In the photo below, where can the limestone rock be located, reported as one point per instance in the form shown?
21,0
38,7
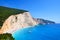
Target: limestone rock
16,22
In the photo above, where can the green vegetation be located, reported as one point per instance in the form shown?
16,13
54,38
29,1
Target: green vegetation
5,12
6,36
0,27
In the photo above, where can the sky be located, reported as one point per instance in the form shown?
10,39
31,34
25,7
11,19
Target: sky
46,9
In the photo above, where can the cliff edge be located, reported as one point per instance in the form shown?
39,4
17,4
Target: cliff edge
16,22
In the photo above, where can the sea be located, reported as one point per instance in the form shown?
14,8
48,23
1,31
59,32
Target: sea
38,32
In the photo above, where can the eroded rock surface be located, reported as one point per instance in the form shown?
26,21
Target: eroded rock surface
16,22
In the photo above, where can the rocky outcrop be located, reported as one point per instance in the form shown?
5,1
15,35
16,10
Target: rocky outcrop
43,21
16,22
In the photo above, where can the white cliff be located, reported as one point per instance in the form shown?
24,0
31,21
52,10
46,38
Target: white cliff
16,22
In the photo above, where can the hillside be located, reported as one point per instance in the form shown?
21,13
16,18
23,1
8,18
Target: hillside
43,21
6,36
5,12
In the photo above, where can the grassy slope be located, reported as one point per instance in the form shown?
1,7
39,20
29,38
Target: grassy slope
5,12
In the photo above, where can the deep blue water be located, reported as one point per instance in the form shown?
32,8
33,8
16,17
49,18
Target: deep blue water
39,32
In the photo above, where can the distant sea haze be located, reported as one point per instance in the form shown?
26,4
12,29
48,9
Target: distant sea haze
39,32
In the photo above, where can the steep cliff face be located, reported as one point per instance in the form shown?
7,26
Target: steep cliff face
16,22
5,12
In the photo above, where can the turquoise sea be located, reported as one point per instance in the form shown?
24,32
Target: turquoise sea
39,32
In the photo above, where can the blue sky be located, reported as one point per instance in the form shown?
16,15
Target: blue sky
46,9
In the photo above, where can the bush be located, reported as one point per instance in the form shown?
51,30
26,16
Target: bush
6,36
